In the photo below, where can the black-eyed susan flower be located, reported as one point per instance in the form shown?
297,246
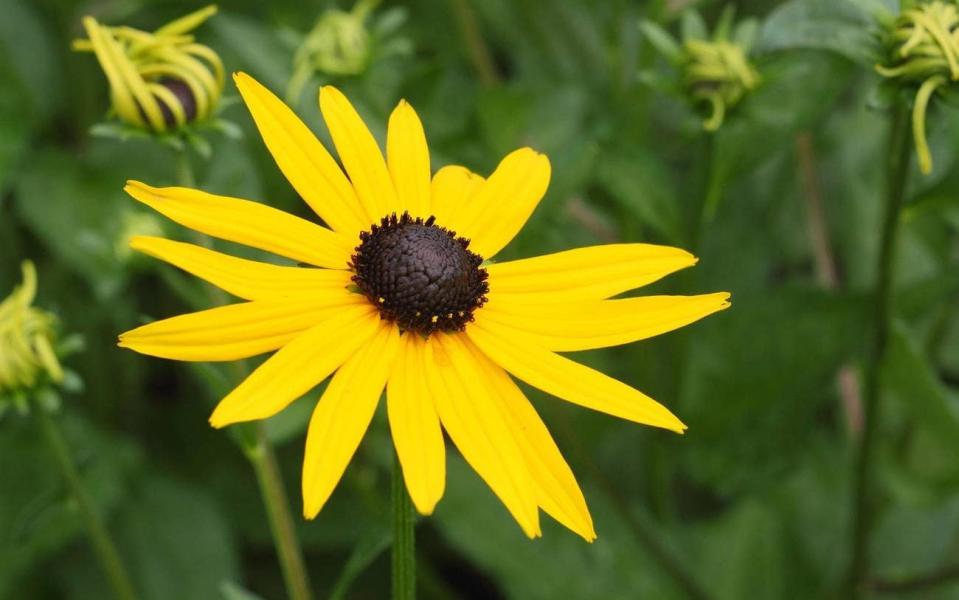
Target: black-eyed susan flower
401,295
923,51
162,80
27,339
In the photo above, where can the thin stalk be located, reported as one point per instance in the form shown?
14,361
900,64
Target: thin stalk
103,545
404,541
259,451
897,169
478,51
826,272
277,506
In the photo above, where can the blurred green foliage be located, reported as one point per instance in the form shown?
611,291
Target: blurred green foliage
753,502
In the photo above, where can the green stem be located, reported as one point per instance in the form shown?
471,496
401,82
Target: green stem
258,449
479,52
404,545
103,545
863,500
277,506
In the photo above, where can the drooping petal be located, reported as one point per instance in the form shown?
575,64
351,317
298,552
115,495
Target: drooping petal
409,160
556,489
247,279
298,366
588,325
451,191
359,153
304,161
568,379
230,332
503,203
590,273
415,426
249,223
463,401
343,414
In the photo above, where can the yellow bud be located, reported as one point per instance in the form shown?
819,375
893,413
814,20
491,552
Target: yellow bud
26,339
160,80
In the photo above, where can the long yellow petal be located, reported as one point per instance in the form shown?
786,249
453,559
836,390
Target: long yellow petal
501,206
450,192
298,366
229,332
249,223
568,379
415,426
590,273
343,414
247,279
588,325
304,161
359,153
122,96
409,160
556,489
463,401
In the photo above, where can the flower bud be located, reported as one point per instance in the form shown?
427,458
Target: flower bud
27,340
162,80
716,73
923,44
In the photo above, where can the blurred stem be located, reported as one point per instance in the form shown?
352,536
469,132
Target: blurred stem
404,544
259,450
897,166
103,545
277,505
826,272
476,46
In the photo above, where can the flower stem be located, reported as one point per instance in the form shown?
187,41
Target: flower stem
258,449
103,545
479,52
277,506
897,170
404,545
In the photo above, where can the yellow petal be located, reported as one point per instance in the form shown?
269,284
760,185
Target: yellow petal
409,160
343,414
298,366
359,153
450,192
556,489
249,223
104,46
230,332
503,203
568,379
463,401
587,325
247,279
415,426
304,161
591,273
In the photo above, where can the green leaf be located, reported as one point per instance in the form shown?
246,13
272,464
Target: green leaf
661,40
835,26
907,372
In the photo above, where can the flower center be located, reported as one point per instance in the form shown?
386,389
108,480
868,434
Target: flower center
419,275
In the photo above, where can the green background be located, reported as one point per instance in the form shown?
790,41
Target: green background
753,502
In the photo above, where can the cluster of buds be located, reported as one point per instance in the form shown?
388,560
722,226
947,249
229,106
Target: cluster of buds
159,81
27,340
715,71
923,51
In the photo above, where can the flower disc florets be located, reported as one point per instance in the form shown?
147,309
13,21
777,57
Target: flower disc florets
419,274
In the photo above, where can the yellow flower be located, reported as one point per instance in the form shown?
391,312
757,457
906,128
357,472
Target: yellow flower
161,80
394,299
26,338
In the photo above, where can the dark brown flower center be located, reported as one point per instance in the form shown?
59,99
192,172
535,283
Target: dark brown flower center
419,274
